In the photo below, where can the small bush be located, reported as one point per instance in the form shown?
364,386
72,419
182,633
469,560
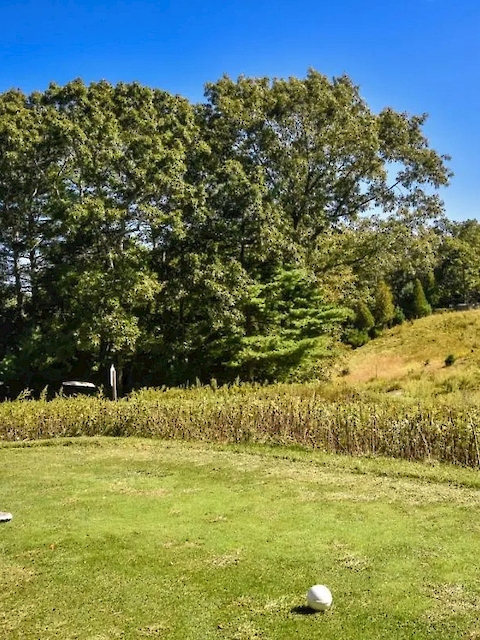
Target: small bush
376,332
355,337
449,360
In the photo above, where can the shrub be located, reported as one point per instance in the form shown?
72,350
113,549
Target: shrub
449,360
399,317
355,337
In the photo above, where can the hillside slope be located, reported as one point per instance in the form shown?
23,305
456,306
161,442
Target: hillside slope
410,358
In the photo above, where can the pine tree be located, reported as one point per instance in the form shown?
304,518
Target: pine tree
421,307
364,319
384,309
289,328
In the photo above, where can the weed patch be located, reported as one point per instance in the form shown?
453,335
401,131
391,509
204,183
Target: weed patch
280,415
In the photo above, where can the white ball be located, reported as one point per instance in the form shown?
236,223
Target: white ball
319,597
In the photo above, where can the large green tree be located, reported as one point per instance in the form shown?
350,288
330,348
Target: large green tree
458,264
124,199
325,157
31,169
182,241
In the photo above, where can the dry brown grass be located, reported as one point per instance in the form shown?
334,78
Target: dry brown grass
410,358
359,426
451,599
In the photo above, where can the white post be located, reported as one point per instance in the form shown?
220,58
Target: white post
113,382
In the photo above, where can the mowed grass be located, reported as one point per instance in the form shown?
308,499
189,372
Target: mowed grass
132,538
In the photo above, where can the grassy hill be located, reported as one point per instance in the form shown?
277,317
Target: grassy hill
435,357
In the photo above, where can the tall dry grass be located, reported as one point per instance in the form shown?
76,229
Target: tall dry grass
283,415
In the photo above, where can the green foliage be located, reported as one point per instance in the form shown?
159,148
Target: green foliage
384,308
304,134
355,337
399,316
287,325
139,229
430,287
420,307
413,300
458,267
364,319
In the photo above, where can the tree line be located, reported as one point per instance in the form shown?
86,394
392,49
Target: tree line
241,237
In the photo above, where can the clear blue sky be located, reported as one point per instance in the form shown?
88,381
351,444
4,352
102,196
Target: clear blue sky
414,55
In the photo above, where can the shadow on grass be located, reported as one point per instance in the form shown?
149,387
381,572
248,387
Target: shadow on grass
304,611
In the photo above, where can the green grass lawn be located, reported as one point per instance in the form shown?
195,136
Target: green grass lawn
133,538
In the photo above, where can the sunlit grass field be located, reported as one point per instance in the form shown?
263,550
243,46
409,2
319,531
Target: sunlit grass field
409,360
136,538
